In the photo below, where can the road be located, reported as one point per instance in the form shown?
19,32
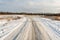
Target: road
33,28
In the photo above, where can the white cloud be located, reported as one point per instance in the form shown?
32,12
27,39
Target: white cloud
30,5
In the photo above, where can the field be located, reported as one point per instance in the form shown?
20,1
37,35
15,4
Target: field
29,27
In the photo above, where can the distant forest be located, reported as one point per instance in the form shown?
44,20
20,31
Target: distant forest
47,14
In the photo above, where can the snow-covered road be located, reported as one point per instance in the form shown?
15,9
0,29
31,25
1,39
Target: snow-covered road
31,28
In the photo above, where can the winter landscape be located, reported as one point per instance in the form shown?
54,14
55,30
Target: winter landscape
29,27
29,19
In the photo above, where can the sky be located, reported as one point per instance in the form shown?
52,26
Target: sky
35,6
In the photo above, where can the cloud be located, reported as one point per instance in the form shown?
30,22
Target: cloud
30,5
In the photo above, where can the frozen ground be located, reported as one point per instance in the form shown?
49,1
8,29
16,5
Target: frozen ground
30,28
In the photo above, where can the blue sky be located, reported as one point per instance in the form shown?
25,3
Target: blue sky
51,6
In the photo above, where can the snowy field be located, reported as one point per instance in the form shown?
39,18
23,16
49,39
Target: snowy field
29,28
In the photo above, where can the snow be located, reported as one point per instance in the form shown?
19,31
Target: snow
2,22
7,26
52,27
